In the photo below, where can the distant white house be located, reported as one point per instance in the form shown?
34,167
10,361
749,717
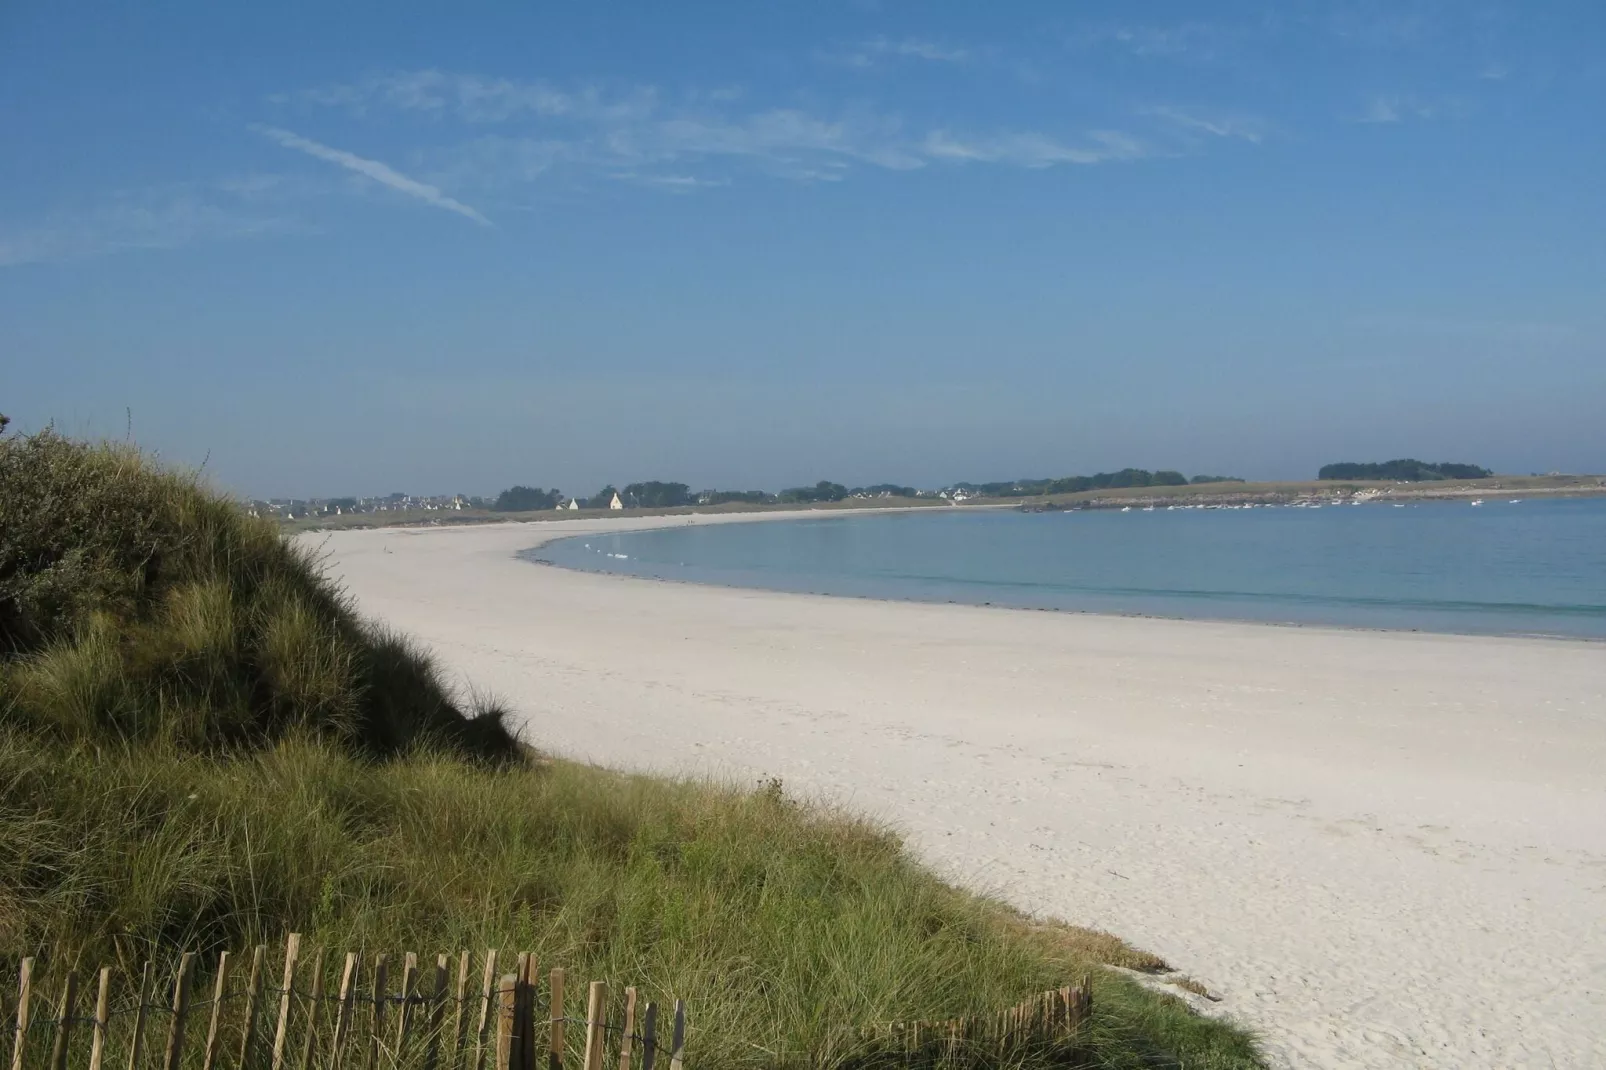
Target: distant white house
616,503
572,504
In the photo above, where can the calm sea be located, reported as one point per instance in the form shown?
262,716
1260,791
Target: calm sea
1531,567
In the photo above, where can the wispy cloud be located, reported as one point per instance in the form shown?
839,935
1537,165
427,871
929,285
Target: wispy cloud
164,217
1397,108
382,173
1191,40
476,99
674,141
1034,150
786,135
673,183
866,54
784,143
1386,26
1216,124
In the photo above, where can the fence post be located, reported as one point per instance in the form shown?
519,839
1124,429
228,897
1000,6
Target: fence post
140,1014
209,1054
64,1021
292,951
485,1009
649,1036
507,1000
629,1027
376,1025
253,993
522,1053
376,1031
102,1018
596,1012
460,1013
345,1011
181,1010
436,1009
677,1048
24,997
532,1047
555,1049
404,1017
314,1009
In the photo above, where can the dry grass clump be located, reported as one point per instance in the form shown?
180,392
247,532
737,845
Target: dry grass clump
1188,984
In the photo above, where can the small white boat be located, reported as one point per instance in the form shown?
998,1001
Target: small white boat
1479,501
1126,508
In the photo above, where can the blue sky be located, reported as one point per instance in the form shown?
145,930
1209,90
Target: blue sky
348,248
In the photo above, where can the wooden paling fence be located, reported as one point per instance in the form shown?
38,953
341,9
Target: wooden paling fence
379,1017
1047,1020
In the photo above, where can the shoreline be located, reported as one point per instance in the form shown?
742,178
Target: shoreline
1112,614
1339,832
549,540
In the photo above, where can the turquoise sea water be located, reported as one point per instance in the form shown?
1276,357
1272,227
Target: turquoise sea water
1534,567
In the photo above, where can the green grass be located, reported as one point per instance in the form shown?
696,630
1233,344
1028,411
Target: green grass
784,927
202,747
135,605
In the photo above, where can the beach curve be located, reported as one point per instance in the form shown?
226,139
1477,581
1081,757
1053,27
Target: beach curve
1378,848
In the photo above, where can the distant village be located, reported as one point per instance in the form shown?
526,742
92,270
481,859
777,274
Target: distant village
301,508
661,495
525,499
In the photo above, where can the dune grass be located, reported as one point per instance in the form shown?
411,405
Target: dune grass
203,747
784,927
136,605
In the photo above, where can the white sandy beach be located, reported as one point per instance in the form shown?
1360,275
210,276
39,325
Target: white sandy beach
1380,849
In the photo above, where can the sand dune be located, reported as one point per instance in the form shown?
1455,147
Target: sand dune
1379,849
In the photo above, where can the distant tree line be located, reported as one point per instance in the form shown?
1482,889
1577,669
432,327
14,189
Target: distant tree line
823,491
721,497
1126,477
526,499
654,494
1407,470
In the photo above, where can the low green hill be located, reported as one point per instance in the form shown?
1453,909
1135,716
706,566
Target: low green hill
202,746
